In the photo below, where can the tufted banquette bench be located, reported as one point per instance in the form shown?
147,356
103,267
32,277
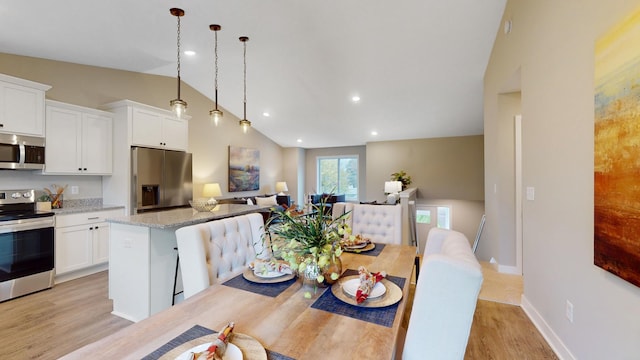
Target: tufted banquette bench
380,223
218,250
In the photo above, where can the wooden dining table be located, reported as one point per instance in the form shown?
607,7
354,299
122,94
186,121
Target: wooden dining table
286,324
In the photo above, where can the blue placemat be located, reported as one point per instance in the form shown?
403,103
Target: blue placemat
375,252
194,333
272,289
382,316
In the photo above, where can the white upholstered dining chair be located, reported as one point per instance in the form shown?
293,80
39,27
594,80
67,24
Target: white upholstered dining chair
218,250
445,299
380,223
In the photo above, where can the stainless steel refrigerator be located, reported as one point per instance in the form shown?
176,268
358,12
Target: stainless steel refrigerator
160,179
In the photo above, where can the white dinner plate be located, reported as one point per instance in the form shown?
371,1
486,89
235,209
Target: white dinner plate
268,274
356,246
232,352
351,287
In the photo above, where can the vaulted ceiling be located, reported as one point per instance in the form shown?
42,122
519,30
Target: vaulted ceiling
417,65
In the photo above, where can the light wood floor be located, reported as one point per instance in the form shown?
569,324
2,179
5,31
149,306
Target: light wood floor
51,323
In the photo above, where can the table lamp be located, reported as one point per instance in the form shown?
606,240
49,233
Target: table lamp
392,188
211,191
281,187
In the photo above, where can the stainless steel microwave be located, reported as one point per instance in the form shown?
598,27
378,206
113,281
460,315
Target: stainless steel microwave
21,152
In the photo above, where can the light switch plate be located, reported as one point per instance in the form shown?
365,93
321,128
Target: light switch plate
531,193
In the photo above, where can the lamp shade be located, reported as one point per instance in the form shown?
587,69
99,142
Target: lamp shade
392,187
281,187
211,190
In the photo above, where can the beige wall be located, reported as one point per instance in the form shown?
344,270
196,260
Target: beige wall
552,43
93,86
446,171
441,168
294,173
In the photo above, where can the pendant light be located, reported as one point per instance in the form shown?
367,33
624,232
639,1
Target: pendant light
178,106
215,114
244,123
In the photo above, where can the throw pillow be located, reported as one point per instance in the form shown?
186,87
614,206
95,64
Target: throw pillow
265,201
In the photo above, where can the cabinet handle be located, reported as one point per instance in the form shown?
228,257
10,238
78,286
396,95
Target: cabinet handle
85,169
79,169
1,125
91,228
96,228
94,218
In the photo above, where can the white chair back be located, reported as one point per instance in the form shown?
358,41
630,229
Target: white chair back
218,250
445,298
380,223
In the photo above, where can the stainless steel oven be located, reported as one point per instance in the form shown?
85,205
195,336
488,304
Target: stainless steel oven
26,245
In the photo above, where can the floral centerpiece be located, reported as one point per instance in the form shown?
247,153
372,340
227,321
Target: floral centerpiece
309,242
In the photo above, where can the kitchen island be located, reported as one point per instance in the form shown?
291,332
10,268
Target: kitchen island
143,257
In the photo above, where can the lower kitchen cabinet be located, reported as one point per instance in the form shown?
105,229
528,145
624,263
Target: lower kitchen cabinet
82,243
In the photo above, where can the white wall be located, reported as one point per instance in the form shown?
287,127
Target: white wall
552,43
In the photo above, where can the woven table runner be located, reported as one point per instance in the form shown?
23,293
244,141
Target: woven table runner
196,332
272,290
382,316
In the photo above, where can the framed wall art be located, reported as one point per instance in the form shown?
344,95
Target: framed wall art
244,169
617,150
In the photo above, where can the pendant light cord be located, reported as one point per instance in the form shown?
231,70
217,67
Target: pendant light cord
245,80
178,56
215,50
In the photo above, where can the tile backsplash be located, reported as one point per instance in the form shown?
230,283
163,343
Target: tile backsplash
89,187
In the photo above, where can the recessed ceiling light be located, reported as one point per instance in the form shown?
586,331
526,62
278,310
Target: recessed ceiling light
266,114
189,52
355,98
299,140
374,133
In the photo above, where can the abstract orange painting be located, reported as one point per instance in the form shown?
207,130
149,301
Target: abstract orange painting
617,150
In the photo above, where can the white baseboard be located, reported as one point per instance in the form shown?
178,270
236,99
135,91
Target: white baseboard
81,273
504,269
125,316
562,352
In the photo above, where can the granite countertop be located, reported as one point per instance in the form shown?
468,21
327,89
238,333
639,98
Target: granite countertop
183,217
83,205
82,209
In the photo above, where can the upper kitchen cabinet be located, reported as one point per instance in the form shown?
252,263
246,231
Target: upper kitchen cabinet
21,106
158,129
79,140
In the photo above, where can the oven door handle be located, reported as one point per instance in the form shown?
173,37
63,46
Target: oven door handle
24,226
23,154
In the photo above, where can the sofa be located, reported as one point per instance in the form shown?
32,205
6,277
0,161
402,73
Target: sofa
279,202
380,223
445,298
218,250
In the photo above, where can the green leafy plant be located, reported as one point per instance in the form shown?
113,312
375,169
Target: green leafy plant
402,177
303,240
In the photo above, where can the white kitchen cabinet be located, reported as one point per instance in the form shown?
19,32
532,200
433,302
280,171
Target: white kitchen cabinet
21,106
79,140
158,129
82,243
73,248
